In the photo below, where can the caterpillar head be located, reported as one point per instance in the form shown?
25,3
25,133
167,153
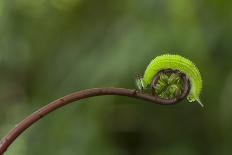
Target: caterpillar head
139,82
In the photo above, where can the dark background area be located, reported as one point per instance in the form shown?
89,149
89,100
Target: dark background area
49,48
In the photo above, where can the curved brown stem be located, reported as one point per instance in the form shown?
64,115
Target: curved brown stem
34,117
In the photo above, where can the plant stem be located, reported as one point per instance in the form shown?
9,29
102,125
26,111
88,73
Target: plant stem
34,117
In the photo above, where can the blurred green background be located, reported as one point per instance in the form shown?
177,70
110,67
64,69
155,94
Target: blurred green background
49,48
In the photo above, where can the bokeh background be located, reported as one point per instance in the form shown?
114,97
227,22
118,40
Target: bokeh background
49,48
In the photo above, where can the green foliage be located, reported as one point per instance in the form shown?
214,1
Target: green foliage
169,86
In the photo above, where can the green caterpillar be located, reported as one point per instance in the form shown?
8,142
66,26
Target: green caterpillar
174,62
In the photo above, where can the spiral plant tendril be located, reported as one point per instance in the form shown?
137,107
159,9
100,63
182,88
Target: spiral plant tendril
170,84
167,80
165,76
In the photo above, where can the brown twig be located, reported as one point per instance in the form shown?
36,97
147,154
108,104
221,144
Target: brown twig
34,117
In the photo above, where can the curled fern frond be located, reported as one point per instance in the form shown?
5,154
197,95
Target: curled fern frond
166,75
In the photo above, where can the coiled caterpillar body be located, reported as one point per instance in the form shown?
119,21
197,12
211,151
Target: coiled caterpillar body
175,62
